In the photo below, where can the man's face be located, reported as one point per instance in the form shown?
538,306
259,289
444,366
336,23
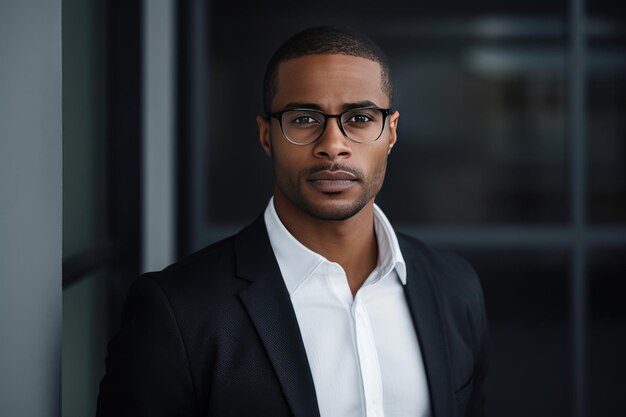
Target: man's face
332,178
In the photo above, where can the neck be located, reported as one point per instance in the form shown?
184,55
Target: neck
351,243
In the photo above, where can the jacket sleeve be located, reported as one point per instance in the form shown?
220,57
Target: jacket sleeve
147,370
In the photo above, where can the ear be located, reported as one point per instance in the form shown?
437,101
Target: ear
393,125
264,134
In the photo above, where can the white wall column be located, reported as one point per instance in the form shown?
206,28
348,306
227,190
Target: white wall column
30,208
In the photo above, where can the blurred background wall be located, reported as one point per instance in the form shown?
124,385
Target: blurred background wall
511,151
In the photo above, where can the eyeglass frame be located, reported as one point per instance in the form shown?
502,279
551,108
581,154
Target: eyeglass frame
279,116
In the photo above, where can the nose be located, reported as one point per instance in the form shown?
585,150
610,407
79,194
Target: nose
332,145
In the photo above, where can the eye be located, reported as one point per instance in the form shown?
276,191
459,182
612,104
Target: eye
303,120
360,118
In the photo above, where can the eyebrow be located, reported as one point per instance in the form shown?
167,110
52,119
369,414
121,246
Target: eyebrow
344,107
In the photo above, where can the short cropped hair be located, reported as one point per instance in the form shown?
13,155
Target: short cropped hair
324,40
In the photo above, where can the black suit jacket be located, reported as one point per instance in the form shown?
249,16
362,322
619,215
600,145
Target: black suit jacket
216,335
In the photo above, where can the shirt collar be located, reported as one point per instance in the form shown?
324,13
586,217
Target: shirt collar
389,254
297,262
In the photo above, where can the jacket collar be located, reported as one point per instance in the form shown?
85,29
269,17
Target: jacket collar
424,303
267,301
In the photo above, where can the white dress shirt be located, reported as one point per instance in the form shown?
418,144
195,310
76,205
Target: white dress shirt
363,351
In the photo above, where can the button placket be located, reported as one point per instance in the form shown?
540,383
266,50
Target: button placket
368,359
338,283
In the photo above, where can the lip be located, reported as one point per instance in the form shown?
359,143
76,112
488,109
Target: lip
332,176
332,181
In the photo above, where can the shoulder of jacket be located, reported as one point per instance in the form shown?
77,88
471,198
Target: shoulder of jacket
449,271
207,274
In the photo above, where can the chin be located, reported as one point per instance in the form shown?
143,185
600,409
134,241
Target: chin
333,210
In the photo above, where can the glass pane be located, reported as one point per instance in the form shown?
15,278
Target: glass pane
482,138
527,300
607,331
84,127
606,104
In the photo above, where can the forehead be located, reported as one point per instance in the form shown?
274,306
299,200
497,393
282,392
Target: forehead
329,81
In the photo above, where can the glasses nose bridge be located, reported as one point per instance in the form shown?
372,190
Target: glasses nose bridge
339,124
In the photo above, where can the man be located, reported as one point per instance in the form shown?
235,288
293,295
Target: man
317,308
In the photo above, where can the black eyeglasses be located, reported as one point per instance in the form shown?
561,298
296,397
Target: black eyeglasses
305,126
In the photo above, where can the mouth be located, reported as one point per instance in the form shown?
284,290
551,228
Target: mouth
332,181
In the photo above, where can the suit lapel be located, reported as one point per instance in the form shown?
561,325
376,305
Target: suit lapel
423,303
268,303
